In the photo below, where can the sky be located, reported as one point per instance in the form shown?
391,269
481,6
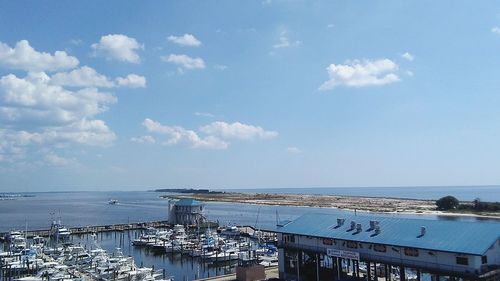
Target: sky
136,95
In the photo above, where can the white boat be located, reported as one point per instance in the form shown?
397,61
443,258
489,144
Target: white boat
230,231
59,232
112,202
18,243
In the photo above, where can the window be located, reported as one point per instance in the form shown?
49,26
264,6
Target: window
289,238
379,248
484,259
352,244
327,241
412,252
463,260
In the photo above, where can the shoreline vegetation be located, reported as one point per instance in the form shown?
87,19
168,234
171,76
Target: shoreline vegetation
358,203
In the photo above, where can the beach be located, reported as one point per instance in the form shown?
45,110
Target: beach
359,203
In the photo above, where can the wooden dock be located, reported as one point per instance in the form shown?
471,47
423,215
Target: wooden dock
96,229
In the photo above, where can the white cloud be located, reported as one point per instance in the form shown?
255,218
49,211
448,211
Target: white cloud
56,160
496,30
36,113
24,57
330,25
184,61
185,40
361,74
407,56
82,77
143,139
293,149
237,130
131,81
217,134
204,114
119,47
409,73
284,41
88,77
179,135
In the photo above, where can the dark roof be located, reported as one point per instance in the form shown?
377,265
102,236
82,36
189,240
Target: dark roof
441,235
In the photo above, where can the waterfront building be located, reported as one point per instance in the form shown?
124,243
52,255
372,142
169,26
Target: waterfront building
185,212
325,247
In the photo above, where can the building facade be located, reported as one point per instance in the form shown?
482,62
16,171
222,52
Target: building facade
185,212
324,247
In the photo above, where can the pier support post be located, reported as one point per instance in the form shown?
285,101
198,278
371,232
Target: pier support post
402,274
369,270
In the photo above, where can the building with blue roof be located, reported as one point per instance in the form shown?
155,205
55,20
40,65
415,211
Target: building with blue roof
319,246
185,212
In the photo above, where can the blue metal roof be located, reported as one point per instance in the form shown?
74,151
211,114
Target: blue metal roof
441,235
187,202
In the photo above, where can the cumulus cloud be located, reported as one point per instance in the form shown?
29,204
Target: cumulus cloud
184,61
82,77
118,47
131,81
185,40
284,41
361,74
213,136
179,135
35,112
495,30
237,130
88,77
25,57
143,139
407,56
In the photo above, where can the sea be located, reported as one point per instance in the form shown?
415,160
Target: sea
36,210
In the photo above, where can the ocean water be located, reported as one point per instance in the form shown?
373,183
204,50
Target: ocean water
466,193
92,208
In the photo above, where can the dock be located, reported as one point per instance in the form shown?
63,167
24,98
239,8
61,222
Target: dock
96,229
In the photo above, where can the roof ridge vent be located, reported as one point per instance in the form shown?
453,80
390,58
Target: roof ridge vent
353,225
423,231
359,228
373,224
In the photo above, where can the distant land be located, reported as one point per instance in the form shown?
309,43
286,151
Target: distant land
360,203
187,190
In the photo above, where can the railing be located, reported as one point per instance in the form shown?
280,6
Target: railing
435,267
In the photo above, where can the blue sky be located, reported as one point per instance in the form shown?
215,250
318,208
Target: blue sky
133,95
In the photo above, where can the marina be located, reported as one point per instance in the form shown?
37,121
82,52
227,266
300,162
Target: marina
166,249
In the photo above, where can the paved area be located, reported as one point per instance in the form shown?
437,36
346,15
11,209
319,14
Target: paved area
271,272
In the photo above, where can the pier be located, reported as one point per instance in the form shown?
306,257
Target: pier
96,229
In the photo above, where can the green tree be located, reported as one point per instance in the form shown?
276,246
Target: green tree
447,203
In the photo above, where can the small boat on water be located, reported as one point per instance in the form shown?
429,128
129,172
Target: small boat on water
58,231
230,231
112,202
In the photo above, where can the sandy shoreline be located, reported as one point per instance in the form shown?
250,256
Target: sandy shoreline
359,203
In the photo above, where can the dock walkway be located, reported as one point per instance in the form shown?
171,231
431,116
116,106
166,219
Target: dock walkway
100,228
